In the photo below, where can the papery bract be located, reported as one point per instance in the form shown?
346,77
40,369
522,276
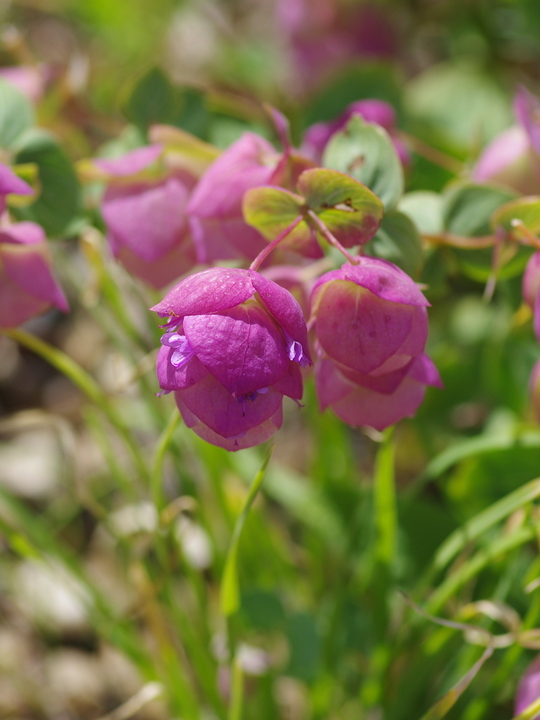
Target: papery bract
371,330
27,284
233,347
215,207
146,217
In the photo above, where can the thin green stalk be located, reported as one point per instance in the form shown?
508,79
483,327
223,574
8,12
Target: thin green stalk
237,692
162,446
86,384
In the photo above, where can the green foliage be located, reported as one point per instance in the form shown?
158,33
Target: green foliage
366,152
16,115
58,206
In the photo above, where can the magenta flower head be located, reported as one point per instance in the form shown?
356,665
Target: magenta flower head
233,347
146,216
377,112
529,688
27,285
215,207
513,158
371,330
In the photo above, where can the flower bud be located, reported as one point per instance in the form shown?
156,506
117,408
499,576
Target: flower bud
233,347
27,285
371,329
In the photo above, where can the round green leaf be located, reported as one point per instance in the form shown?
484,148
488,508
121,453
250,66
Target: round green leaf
16,114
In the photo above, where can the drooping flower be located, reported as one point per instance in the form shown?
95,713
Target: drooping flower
215,207
27,284
371,330
146,216
529,688
374,111
233,347
513,157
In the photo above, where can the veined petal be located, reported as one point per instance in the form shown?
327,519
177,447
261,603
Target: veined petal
257,435
241,347
226,415
359,329
177,378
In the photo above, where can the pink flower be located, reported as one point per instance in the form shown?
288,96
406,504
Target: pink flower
215,207
27,285
529,688
146,217
513,158
30,80
371,329
11,184
372,111
232,350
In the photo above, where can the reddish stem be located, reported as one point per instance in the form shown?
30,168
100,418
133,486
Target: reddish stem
265,252
354,260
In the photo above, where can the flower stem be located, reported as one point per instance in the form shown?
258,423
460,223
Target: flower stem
265,252
354,260
84,382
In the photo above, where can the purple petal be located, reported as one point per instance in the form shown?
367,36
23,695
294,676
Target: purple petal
531,280
131,163
226,415
148,219
11,183
209,291
285,309
385,383
291,384
177,378
242,347
359,329
424,371
255,436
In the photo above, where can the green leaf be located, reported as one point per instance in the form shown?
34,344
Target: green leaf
526,210
398,241
58,205
229,592
154,99
482,522
449,699
424,209
367,153
271,210
16,114
348,209
468,208
304,643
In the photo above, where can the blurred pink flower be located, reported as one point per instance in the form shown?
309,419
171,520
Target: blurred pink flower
371,330
146,218
30,80
11,184
215,207
529,688
27,284
233,348
531,289
513,158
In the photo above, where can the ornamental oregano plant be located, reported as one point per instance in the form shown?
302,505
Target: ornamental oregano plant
246,279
